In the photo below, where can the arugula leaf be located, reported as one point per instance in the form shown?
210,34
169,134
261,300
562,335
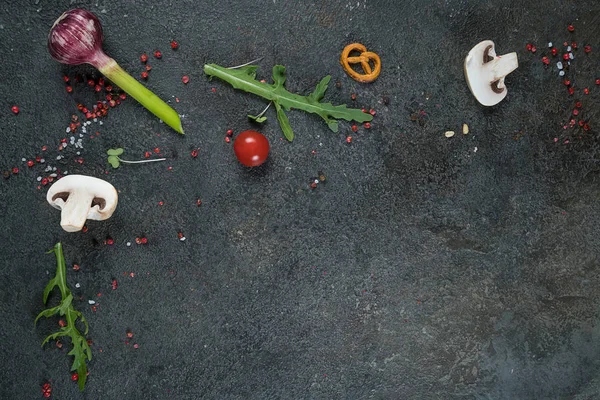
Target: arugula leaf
257,118
81,350
244,79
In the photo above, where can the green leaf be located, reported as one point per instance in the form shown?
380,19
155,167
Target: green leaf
115,152
244,80
114,161
48,289
279,76
317,95
258,119
46,313
284,122
81,350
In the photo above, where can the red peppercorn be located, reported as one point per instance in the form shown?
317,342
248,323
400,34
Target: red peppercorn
156,150
74,376
587,48
576,112
144,75
110,241
367,125
144,58
185,79
114,284
578,104
529,46
363,110
69,89
44,181
88,115
38,159
349,139
174,45
198,202
533,49
571,28
108,88
15,110
122,96
195,153
144,240
372,112
62,323
566,56
227,139
229,132
91,82
354,128
138,240
597,81
586,127
554,51
545,60
85,229
148,67
129,334
112,103
353,96
571,91
586,91
66,78
76,267
574,45
30,163
147,154
567,82
580,123
157,54
180,235
84,110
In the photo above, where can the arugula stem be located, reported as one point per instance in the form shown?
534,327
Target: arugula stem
145,97
61,270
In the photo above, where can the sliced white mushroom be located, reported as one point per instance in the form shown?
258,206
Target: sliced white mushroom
485,72
81,198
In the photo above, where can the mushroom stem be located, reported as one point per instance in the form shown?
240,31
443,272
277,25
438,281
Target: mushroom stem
502,66
75,211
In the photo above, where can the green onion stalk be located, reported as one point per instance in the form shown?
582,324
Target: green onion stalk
76,38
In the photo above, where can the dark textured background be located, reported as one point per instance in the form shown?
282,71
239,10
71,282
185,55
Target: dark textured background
420,270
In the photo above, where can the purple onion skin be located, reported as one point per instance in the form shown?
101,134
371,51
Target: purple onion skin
76,38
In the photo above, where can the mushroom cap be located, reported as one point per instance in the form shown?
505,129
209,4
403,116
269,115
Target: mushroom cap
485,72
98,199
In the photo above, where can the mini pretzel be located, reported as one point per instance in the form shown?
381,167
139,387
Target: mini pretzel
364,60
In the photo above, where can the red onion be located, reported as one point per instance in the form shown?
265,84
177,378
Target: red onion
76,38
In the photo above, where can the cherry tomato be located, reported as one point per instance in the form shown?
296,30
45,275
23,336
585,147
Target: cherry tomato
251,148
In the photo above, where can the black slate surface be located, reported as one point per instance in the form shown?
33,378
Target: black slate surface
424,268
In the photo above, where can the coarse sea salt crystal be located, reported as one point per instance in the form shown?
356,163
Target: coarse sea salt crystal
549,44
91,302
39,178
77,285
561,73
23,159
559,65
